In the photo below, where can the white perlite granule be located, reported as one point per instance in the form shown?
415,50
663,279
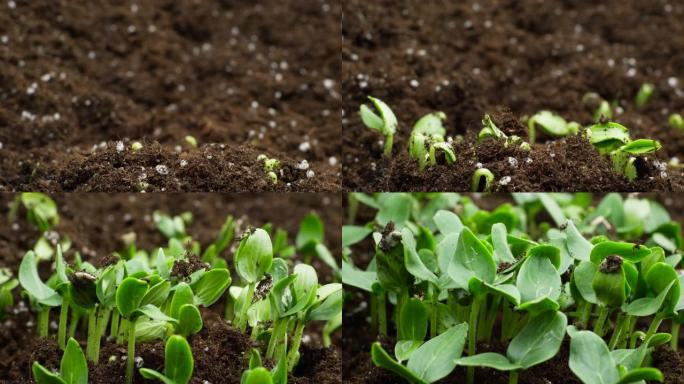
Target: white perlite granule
162,169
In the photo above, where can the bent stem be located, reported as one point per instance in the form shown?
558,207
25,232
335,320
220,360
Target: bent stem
654,325
472,336
293,354
130,360
389,141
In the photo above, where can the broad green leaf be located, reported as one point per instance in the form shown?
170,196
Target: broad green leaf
183,295
352,234
583,276
311,231
609,136
414,320
211,286
258,375
489,359
551,123
629,251
189,320
157,294
161,264
553,208
178,361
329,308
254,256
471,259
590,359
389,120
437,357
539,305
154,375
578,247
610,288
31,282
358,278
42,210
403,349
383,360
641,147
647,306
445,251
44,376
502,253
370,119
394,207
154,313
447,222
538,278
73,367
412,260
431,124
539,340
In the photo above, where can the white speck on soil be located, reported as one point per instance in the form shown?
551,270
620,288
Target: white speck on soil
414,83
672,82
513,162
183,163
478,165
332,160
138,362
162,169
310,174
505,180
303,165
305,146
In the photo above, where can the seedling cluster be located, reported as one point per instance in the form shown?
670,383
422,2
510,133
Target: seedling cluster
447,276
427,139
145,295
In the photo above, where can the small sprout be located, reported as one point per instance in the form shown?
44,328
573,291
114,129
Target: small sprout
386,123
178,363
191,140
136,146
427,138
644,95
608,136
73,367
490,130
271,167
604,111
551,124
624,160
676,121
273,177
525,146
483,179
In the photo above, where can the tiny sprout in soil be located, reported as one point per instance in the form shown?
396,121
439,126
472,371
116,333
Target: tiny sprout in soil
140,296
585,284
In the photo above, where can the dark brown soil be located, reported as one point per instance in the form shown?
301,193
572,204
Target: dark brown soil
252,77
484,56
218,348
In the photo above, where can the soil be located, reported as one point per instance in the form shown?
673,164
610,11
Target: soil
510,59
218,348
243,78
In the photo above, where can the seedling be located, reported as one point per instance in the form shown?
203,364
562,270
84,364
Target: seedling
600,108
136,146
73,368
191,141
252,259
257,374
7,285
386,123
178,363
491,131
551,124
644,95
271,167
427,138
676,121
482,181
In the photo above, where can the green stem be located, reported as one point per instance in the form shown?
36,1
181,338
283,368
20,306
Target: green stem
389,140
352,208
617,331
43,321
627,330
114,330
130,360
674,342
586,315
513,377
433,310
244,306
229,313
492,313
75,318
472,336
432,155
382,314
102,318
123,325
374,312
273,340
654,325
61,331
293,354
506,321
92,330
603,315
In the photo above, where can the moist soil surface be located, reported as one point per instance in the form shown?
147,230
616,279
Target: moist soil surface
80,81
510,59
96,223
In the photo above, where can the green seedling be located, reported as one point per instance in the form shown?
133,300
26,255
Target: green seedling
600,108
73,368
539,341
592,362
41,294
386,123
191,141
644,95
676,121
491,131
430,362
624,158
482,181
271,167
41,210
7,285
427,139
551,124
607,137
178,363
310,241
136,146
257,374
253,259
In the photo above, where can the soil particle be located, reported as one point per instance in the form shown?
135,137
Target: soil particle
670,363
183,268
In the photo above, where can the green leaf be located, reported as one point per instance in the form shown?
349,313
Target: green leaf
73,367
31,282
303,289
413,320
129,295
189,320
329,308
352,234
578,247
583,276
539,340
647,306
42,210
157,294
502,253
590,359
395,207
641,147
44,376
254,256
471,259
389,120
358,278
153,313
258,375
609,136
538,278
629,251
412,260
182,296
383,360
211,286
311,232
551,123
553,208
431,124
489,359
447,222
640,374
324,254
437,357
178,361
403,349
610,288
154,375
370,119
